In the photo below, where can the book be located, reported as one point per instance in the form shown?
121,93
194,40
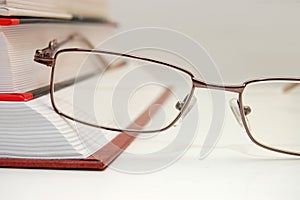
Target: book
32,130
19,42
32,135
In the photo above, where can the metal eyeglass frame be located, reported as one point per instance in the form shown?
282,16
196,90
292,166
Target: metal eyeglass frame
48,55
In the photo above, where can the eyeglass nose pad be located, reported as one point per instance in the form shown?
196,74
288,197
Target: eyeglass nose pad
179,105
234,105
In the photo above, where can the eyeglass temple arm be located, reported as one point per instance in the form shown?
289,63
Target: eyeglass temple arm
290,87
46,56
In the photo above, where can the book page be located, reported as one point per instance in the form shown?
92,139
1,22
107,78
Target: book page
25,133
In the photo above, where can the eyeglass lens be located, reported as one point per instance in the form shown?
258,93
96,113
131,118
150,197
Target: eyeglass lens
272,114
114,93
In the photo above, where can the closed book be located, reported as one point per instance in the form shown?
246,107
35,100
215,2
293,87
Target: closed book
32,135
19,42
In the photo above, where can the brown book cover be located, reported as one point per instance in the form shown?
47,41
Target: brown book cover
98,161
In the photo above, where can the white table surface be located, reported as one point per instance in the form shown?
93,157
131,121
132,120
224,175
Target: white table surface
236,169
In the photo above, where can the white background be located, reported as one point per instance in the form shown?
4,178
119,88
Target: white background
246,38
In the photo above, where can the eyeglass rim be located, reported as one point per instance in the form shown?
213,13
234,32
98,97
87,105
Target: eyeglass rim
186,103
244,119
196,84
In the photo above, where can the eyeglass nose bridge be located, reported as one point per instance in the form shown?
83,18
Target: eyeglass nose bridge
232,88
234,103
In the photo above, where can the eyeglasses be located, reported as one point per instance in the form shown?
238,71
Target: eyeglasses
109,90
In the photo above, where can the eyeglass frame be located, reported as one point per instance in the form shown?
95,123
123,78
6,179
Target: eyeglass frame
48,55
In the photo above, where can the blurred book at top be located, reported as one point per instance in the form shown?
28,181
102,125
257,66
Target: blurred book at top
53,8
51,20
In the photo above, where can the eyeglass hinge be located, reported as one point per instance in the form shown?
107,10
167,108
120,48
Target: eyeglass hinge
45,56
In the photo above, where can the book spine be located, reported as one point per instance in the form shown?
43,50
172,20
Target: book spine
16,96
9,21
